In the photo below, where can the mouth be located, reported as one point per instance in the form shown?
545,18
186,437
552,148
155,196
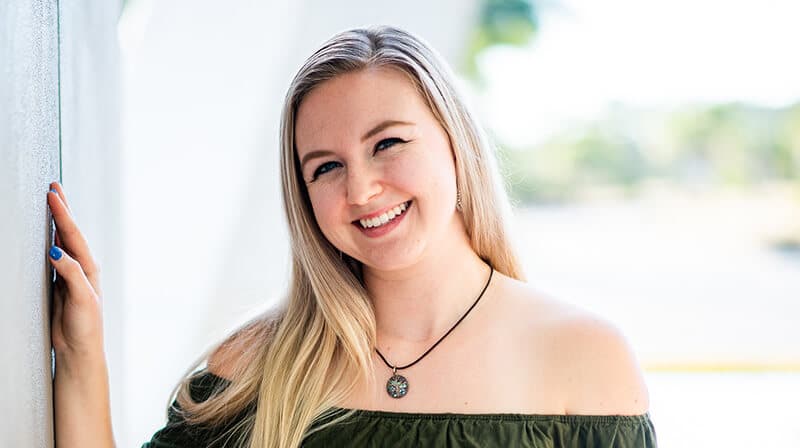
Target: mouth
385,219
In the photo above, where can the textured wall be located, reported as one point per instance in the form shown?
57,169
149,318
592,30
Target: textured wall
29,160
50,126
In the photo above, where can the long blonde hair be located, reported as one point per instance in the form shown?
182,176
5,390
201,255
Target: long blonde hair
314,349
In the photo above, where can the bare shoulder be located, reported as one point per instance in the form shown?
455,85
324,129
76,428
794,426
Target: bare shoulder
598,366
587,356
241,348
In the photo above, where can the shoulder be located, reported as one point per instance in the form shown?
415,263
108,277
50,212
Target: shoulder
242,346
598,366
587,357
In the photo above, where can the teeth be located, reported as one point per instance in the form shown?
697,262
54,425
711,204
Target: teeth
384,218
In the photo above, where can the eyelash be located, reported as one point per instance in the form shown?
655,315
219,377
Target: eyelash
318,172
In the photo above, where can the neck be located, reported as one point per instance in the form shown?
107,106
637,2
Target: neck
420,303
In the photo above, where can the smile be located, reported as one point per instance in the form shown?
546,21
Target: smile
387,217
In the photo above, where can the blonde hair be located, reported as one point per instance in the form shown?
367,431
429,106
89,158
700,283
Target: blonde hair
311,353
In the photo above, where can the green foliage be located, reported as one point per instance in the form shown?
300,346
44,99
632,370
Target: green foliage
741,144
501,22
728,144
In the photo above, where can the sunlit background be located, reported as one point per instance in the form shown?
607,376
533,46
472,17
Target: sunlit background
652,149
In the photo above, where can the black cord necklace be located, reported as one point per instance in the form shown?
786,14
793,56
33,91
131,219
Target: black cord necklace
397,386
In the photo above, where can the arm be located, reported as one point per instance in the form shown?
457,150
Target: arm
82,415
81,401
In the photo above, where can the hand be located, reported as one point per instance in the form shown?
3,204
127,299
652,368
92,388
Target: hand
77,326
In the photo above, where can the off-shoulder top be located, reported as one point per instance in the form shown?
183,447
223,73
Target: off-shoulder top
368,428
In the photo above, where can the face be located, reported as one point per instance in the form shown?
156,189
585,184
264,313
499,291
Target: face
378,167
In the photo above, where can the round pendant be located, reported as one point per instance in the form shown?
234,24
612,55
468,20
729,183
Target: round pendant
397,386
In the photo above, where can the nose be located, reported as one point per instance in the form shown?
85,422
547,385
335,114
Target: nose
363,184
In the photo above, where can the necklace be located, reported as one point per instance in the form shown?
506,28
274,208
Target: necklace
397,386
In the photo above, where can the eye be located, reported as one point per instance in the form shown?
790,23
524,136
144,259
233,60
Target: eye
387,143
324,168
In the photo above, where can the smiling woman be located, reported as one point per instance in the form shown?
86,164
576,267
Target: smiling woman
407,321
385,151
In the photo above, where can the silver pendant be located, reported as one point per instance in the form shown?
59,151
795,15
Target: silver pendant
397,386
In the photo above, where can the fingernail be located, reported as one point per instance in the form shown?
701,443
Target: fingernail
55,253
54,191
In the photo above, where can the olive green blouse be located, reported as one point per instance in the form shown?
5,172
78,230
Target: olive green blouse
399,429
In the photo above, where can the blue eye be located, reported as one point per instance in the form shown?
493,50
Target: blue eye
387,142
324,168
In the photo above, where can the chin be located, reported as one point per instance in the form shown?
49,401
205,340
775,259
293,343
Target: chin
390,260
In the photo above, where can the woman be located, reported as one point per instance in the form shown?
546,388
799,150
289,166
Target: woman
406,322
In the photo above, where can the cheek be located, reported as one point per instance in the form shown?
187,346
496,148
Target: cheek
424,168
438,170
404,172
325,211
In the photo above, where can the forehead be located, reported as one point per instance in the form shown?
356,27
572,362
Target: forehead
341,109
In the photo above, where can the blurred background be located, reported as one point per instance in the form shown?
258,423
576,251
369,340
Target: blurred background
652,149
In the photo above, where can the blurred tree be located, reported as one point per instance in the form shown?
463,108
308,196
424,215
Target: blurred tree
728,144
718,144
501,22
740,144
786,147
559,169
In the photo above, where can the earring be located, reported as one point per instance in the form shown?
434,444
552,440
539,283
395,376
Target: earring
458,200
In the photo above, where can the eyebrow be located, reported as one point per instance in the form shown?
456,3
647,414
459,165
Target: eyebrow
383,125
380,127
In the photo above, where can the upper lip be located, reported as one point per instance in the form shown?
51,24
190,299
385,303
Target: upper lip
379,212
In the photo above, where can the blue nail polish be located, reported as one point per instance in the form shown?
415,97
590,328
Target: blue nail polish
54,191
55,253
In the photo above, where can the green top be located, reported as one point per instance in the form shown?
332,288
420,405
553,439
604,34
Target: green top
399,429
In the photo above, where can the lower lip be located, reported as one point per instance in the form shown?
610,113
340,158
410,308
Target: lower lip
374,232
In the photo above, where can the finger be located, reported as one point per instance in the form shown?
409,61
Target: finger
80,290
59,190
56,236
72,240
53,188
70,235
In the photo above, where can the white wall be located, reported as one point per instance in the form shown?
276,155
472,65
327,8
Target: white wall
29,160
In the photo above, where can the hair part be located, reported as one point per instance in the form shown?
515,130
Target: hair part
312,352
